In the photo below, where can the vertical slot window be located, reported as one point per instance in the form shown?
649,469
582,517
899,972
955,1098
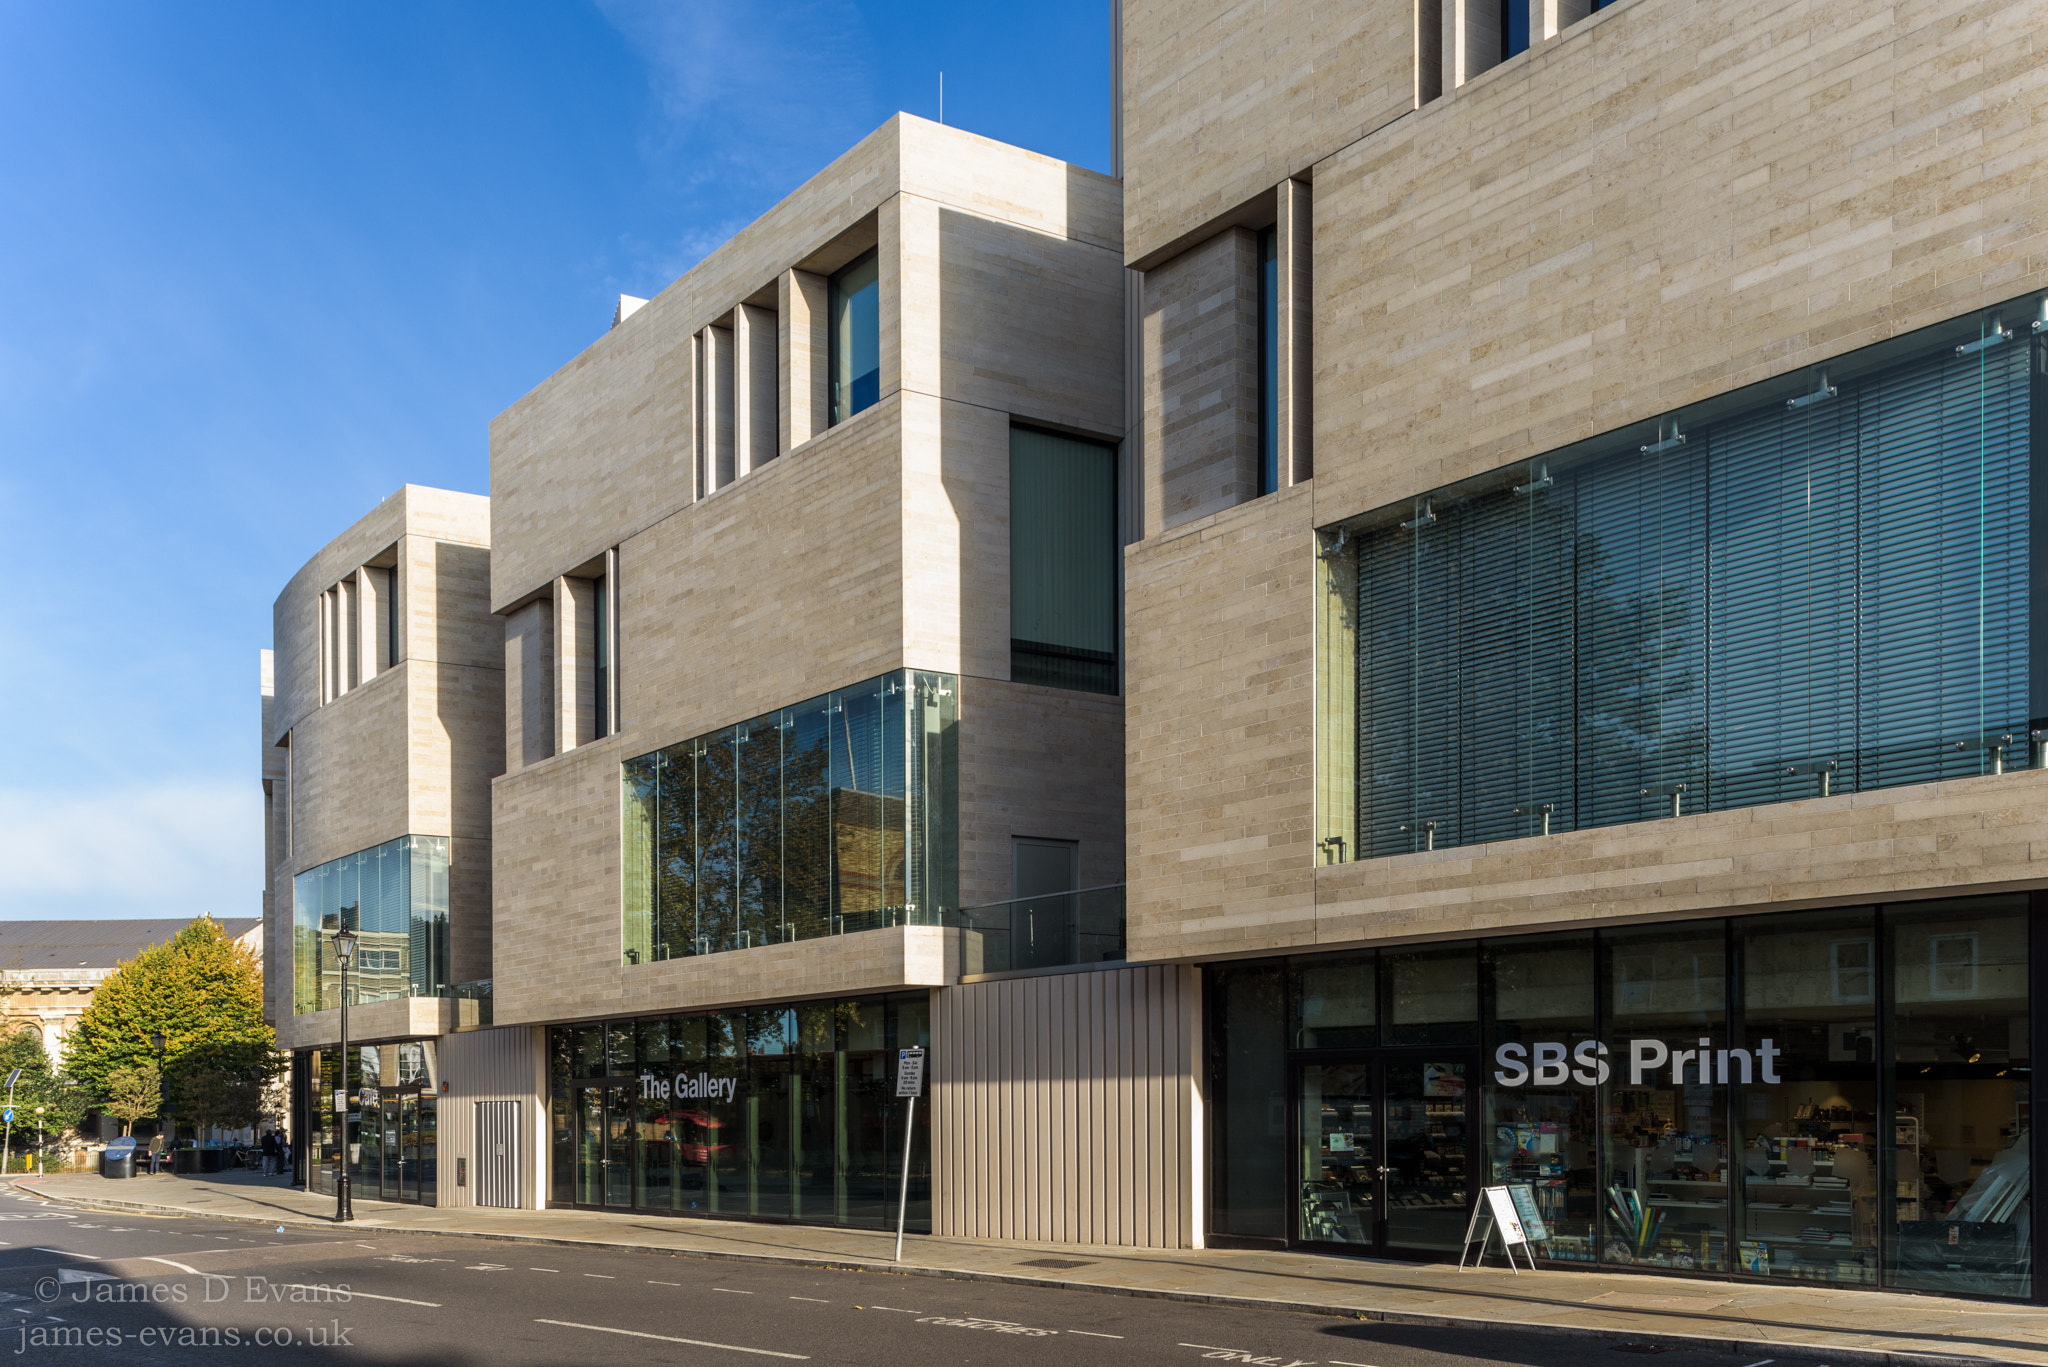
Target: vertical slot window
856,345
1062,562
601,607
1514,27
1269,361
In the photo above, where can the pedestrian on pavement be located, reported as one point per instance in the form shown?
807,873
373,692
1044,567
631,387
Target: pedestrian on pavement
156,1153
269,1147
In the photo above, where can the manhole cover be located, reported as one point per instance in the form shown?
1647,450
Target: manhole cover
1052,1262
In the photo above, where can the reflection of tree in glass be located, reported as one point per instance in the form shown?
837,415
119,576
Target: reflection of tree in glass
806,827
675,835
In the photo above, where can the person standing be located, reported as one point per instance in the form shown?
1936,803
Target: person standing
156,1153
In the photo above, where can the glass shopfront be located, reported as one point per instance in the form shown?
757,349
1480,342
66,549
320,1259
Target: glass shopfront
1841,1096
775,1113
390,1133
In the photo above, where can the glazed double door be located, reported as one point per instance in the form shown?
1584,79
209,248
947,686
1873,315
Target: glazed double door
1385,1151
395,1150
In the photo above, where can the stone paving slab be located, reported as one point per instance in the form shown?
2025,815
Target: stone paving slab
1830,1324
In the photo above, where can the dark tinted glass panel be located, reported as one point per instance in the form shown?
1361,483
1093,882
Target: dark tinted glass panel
1666,1203
856,350
1063,562
1804,1081
1432,995
1249,1065
1335,1003
1961,1178
1541,1080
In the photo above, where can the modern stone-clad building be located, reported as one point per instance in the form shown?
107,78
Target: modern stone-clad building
1585,683
1470,620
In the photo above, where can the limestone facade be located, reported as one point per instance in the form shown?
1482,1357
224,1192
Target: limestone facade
682,476
1656,204
383,716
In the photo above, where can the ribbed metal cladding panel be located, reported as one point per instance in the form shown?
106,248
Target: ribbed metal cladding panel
1061,1107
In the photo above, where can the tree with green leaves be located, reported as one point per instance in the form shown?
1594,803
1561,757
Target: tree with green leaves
63,1105
132,1094
201,991
220,1097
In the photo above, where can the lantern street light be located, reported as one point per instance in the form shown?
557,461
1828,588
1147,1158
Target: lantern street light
344,950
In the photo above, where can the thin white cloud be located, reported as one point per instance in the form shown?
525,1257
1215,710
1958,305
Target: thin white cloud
753,98
175,849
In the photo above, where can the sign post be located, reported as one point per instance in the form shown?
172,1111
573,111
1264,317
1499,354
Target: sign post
7,1149
909,1083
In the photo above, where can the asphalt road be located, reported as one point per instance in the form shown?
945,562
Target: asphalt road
78,1286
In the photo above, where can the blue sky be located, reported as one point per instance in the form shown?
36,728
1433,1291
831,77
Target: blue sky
260,264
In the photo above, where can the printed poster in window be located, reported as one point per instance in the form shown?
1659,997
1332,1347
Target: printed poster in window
1443,1080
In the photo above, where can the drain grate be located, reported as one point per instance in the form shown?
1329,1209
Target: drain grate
1053,1262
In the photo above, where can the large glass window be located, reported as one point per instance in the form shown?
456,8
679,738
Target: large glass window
1805,1093
1838,1095
1961,1179
1814,586
856,346
395,897
784,1112
838,814
1063,561
1541,1131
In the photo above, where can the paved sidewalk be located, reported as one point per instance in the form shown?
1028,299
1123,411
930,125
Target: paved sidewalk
1783,1319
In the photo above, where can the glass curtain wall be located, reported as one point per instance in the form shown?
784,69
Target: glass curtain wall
856,343
775,1113
395,897
1063,562
836,815
1840,1095
1774,598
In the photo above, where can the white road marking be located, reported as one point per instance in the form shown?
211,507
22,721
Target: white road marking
1086,1333
812,1299
894,1310
1765,1363
730,1292
602,1276
180,1266
652,1282
1340,1362
543,1269
669,1338
355,1295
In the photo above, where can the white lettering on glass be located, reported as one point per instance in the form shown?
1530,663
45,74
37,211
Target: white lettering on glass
1546,1063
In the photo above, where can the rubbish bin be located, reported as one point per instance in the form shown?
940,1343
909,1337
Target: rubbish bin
119,1159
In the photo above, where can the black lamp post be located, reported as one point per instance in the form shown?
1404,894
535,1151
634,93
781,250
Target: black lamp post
163,1104
344,950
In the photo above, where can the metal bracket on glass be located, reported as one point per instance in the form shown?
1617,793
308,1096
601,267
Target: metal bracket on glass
1823,767
1665,442
1821,393
1542,809
1333,547
1332,847
1428,829
1425,516
1988,340
1674,791
1997,742
1542,481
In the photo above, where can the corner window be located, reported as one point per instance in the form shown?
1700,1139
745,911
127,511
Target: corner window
1514,27
1062,562
856,338
601,709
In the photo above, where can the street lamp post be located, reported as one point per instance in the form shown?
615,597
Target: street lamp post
344,950
40,1162
163,1105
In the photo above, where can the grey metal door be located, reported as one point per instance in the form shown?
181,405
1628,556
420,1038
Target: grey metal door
497,1154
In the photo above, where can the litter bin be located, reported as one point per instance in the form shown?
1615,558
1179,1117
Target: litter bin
119,1159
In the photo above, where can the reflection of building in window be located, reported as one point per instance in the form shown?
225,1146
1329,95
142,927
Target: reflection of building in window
1635,983
1851,961
1952,965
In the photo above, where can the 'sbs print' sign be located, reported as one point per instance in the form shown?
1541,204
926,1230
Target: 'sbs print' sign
1549,1064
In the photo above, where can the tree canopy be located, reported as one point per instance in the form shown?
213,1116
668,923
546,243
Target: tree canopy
62,1105
201,990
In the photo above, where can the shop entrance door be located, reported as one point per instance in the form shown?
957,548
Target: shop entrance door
1384,1151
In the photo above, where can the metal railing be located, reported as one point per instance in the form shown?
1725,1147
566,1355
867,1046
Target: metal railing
1058,930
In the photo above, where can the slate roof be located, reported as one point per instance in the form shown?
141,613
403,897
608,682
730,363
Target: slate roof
26,946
